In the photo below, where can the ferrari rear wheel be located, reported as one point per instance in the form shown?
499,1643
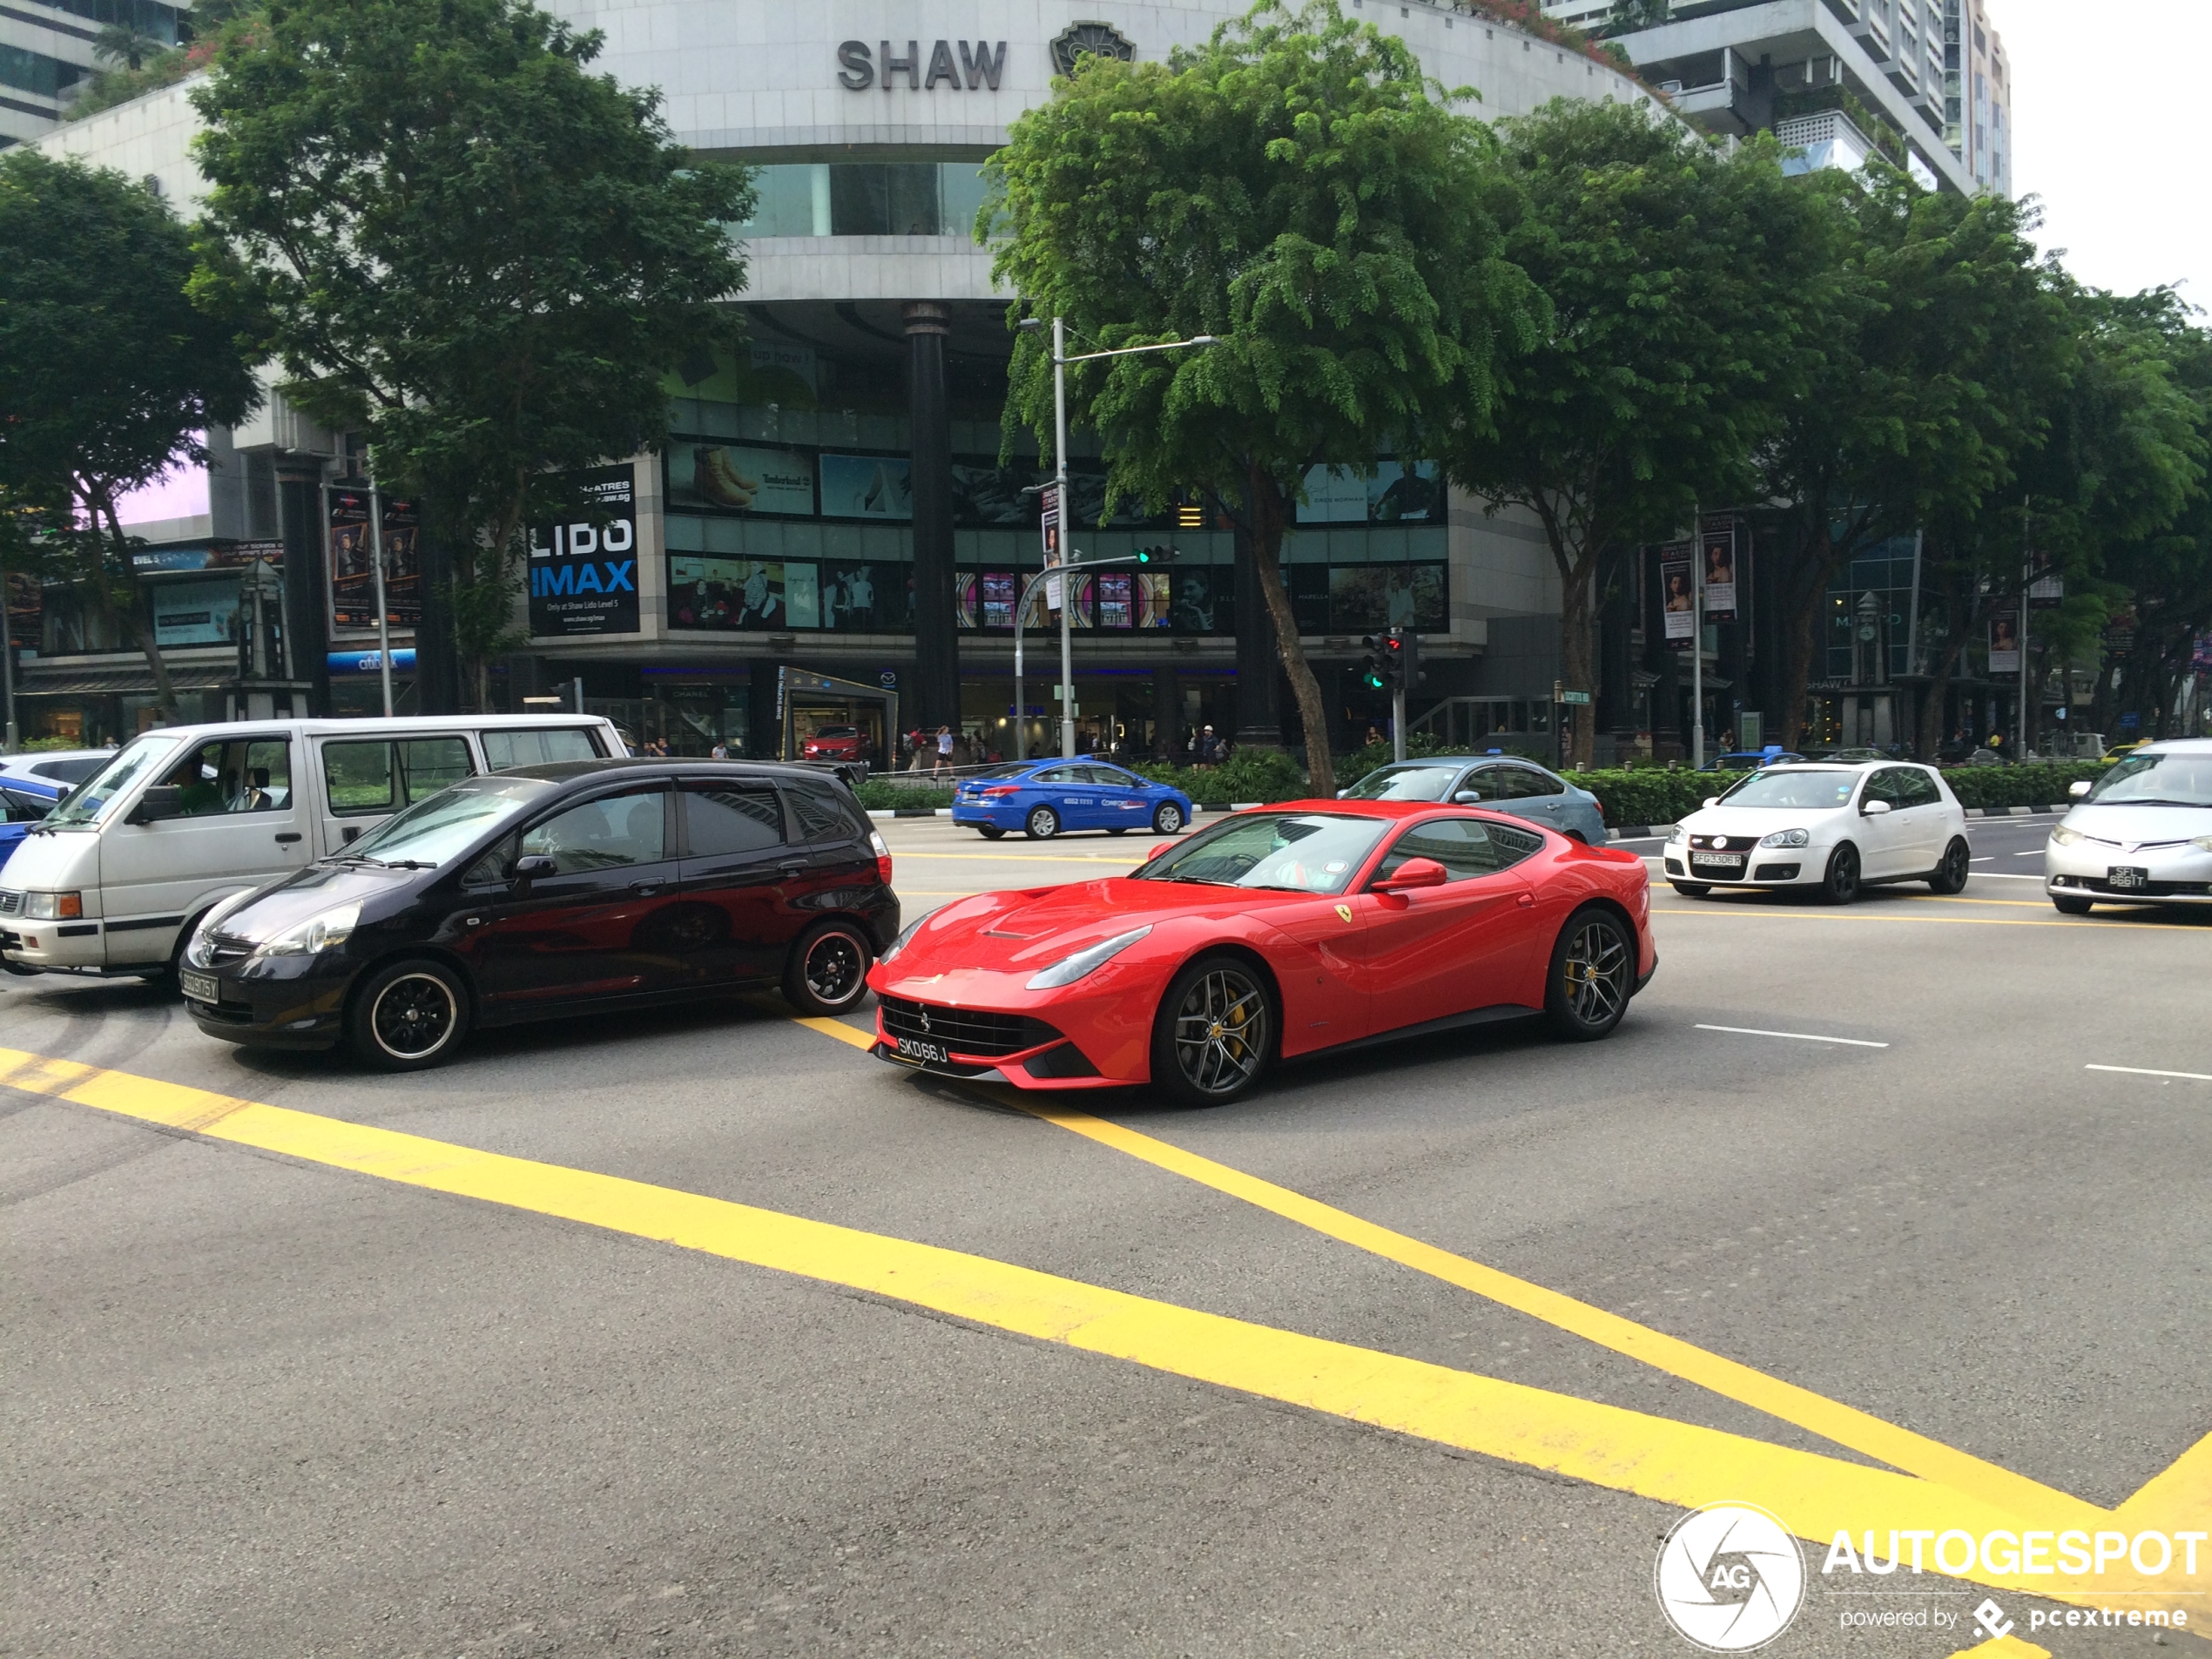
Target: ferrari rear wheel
1214,1034
1043,823
1592,973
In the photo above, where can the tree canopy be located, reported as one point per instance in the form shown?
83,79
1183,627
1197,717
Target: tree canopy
474,251
1295,188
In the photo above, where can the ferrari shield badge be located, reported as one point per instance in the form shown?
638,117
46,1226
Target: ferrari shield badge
1343,912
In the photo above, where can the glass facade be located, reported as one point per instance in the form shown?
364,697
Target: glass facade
866,199
1886,574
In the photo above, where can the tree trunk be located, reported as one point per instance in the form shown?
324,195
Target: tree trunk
165,690
1578,659
1805,609
1270,512
1937,694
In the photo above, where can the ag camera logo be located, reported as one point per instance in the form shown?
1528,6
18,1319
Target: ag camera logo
1730,1577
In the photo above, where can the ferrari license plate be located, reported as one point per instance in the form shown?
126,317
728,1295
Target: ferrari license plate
2127,875
1731,862
916,1048
201,988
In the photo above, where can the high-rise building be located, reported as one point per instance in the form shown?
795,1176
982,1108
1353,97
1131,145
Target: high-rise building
46,53
1923,81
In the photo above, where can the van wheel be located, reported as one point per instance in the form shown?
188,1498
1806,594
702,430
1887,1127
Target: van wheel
827,970
409,1017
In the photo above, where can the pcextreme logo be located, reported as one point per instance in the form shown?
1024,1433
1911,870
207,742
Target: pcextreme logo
1730,1577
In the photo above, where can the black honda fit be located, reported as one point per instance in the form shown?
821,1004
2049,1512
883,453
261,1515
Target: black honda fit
590,885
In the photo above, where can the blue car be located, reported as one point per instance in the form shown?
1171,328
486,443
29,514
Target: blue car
1044,799
25,798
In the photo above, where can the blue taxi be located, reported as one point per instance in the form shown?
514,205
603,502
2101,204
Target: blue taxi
1044,799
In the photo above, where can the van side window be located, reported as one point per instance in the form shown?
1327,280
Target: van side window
239,775
427,764
536,747
383,776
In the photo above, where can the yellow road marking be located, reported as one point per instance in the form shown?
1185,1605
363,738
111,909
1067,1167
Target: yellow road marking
1670,1462
2003,1648
1842,1424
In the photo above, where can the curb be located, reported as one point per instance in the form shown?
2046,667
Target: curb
1640,831
2012,812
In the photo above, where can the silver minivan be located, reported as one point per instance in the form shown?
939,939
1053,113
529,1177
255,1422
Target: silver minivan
114,879
2140,834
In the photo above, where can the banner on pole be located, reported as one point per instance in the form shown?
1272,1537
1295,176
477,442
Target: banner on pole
2004,643
1678,593
1718,547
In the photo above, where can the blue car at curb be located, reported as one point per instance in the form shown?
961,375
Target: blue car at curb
1044,799
24,800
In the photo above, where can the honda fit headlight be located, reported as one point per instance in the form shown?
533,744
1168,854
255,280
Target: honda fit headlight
334,927
1785,837
2064,837
1089,960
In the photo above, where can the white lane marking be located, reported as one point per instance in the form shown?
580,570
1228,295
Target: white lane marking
1797,1036
2000,875
2145,1071
2032,852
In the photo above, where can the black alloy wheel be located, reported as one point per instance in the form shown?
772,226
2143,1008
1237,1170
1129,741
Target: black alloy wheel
1043,824
989,831
2070,903
827,971
1214,1034
1593,974
1167,818
409,1017
1958,863
1691,889
1840,884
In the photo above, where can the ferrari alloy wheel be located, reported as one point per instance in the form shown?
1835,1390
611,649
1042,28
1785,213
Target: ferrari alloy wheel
1167,820
1592,973
1950,874
409,1017
2068,904
1215,1032
1840,884
827,969
1043,824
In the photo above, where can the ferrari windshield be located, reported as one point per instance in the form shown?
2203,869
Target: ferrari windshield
1416,781
1819,789
2170,780
1293,852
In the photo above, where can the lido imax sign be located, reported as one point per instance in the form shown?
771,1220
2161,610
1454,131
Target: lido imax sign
977,66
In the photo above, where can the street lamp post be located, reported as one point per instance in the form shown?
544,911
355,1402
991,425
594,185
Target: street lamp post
1021,608
1060,361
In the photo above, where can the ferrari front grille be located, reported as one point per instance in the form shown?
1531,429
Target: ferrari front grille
964,1030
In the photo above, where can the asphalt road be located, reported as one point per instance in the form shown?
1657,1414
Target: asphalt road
257,1404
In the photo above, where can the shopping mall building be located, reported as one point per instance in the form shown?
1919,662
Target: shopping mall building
760,572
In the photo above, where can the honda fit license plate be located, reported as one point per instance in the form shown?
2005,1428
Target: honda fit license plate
2127,875
201,988
916,1048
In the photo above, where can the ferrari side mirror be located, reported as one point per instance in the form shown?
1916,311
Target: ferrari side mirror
1414,873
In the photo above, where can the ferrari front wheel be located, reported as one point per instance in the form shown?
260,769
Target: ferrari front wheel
1592,972
1214,1033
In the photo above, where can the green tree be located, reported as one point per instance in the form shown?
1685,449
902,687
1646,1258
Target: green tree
1679,282
1294,188
125,45
109,375
476,252
1941,346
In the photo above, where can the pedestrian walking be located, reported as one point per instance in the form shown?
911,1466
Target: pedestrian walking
944,749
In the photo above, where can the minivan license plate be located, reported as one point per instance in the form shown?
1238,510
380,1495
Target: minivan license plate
2127,875
201,988
914,1049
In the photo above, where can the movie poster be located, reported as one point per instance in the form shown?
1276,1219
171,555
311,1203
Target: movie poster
583,574
2004,643
1678,593
1115,607
353,579
999,589
1720,574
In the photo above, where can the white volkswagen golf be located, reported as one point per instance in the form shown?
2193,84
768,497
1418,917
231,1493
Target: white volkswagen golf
1836,828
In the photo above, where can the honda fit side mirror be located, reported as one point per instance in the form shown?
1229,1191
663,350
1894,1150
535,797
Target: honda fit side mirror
532,866
160,801
1874,809
1414,873
2076,791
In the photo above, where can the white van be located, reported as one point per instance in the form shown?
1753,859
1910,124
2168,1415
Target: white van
115,878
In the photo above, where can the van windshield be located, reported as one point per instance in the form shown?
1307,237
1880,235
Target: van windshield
89,802
446,824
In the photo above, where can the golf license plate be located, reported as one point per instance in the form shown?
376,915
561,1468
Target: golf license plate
201,988
1720,863
914,1049
2127,875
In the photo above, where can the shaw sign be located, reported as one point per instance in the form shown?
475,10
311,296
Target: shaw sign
979,64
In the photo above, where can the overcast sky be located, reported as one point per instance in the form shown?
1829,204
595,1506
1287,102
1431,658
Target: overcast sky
2108,95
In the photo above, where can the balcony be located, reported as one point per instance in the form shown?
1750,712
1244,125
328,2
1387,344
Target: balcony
1829,138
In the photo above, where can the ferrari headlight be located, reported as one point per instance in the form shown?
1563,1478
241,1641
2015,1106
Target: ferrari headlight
907,933
332,926
1785,837
1089,960
2063,836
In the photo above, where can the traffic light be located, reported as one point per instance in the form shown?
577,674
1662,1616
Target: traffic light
1156,556
1406,656
1375,667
